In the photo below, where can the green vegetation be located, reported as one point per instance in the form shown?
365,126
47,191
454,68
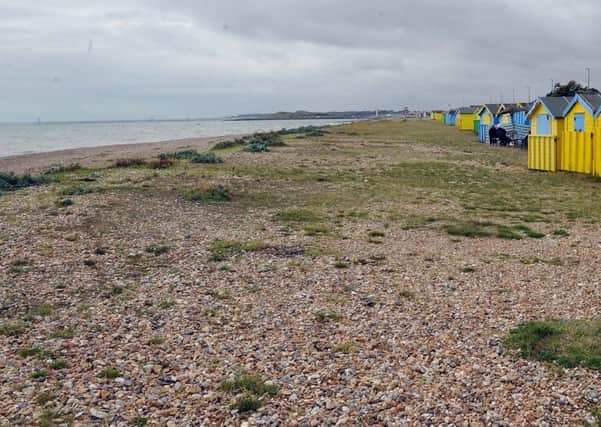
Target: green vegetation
569,343
76,191
256,147
62,334
532,261
249,383
40,374
375,234
156,341
59,364
206,158
346,347
193,156
139,421
254,389
342,264
407,294
12,329
223,249
561,233
325,316
217,193
11,182
488,229
317,230
42,399
109,373
298,215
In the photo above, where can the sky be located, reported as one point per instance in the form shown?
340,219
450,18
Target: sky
138,59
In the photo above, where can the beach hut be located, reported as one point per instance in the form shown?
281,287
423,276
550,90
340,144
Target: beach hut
476,119
465,118
513,118
437,115
450,118
577,151
488,117
546,130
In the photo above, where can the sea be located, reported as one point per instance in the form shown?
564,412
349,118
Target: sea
19,138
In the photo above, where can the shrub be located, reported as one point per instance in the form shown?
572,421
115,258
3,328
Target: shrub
249,383
324,316
223,145
256,148
62,334
346,347
206,158
127,163
179,155
59,364
160,163
246,403
76,191
11,182
468,230
216,193
109,373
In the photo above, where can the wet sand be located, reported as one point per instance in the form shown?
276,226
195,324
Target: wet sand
102,156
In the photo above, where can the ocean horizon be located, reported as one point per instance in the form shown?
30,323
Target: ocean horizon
28,138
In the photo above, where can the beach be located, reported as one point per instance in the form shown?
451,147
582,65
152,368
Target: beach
99,157
371,274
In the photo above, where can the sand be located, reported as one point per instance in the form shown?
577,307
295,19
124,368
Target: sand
102,156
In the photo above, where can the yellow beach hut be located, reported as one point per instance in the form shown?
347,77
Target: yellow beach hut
546,130
488,114
465,118
578,152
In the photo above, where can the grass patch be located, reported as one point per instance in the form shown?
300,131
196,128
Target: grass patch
223,249
569,343
139,421
342,264
76,191
532,261
504,232
167,304
313,230
407,294
298,215
246,403
251,384
216,193
156,341
346,347
109,373
12,329
326,316
59,364
62,334
561,233
468,269
34,352
471,230
42,399
375,234
40,374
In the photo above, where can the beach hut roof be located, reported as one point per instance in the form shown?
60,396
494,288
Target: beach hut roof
555,105
512,108
467,110
591,102
492,108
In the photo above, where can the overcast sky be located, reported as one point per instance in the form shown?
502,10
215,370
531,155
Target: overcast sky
130,59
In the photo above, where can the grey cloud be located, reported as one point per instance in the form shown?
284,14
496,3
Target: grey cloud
68,60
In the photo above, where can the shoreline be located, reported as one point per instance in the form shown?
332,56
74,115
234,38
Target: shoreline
104,155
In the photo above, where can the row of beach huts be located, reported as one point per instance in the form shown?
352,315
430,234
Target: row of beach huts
563,133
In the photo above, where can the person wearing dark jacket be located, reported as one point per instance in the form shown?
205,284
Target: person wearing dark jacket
492,134
502,136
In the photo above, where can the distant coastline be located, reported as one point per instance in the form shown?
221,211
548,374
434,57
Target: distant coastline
309,115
